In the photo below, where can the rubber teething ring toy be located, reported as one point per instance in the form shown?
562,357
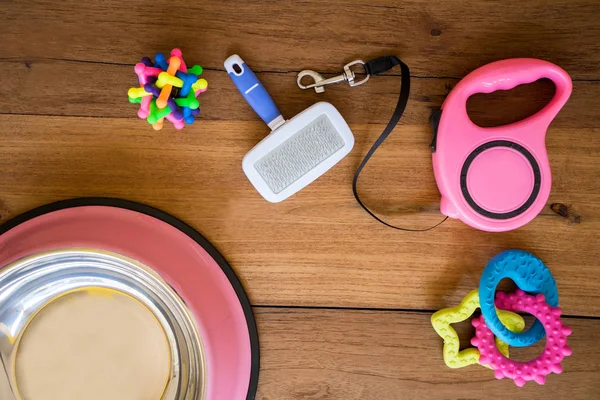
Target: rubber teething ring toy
556,343
531,275
442,319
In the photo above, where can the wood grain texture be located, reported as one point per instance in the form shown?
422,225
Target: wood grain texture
51,87
435,38
356,355
67,130
319,248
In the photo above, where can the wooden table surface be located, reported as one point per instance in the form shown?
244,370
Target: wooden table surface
342,303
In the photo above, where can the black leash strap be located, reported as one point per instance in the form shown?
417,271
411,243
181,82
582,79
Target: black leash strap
376,67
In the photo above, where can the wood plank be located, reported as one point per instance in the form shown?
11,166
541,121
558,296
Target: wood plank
352,355
50,87
447,38
317,248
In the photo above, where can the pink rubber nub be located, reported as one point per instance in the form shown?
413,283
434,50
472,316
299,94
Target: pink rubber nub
556,340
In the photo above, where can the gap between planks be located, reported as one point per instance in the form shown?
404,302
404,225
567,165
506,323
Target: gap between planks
381,310
257,71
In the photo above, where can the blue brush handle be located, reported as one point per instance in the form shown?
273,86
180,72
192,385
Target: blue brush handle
253,91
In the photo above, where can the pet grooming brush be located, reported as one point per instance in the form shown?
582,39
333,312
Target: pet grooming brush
297,151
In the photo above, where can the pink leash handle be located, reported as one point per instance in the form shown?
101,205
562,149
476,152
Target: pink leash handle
517,158
507,74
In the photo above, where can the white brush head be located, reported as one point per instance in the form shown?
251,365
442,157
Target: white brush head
298,152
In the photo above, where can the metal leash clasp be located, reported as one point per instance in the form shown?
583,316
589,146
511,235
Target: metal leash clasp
319,85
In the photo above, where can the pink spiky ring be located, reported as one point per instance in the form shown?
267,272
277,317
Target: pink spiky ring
556,340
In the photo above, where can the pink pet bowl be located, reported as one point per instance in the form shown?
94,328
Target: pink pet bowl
495,179
174,253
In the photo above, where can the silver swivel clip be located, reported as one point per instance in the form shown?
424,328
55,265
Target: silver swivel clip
319,82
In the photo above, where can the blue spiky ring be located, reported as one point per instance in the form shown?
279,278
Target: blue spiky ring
532,276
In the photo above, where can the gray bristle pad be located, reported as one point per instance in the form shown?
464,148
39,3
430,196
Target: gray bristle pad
303,151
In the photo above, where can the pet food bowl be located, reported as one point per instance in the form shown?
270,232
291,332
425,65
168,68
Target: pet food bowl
147,255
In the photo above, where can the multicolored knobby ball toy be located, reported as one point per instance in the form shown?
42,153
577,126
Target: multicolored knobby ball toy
498,319
168,89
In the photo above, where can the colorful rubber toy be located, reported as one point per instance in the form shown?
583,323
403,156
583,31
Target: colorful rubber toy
168,89
556,343
442,319
531,275
498,318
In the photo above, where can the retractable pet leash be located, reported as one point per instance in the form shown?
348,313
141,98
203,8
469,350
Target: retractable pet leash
493,179
496,179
